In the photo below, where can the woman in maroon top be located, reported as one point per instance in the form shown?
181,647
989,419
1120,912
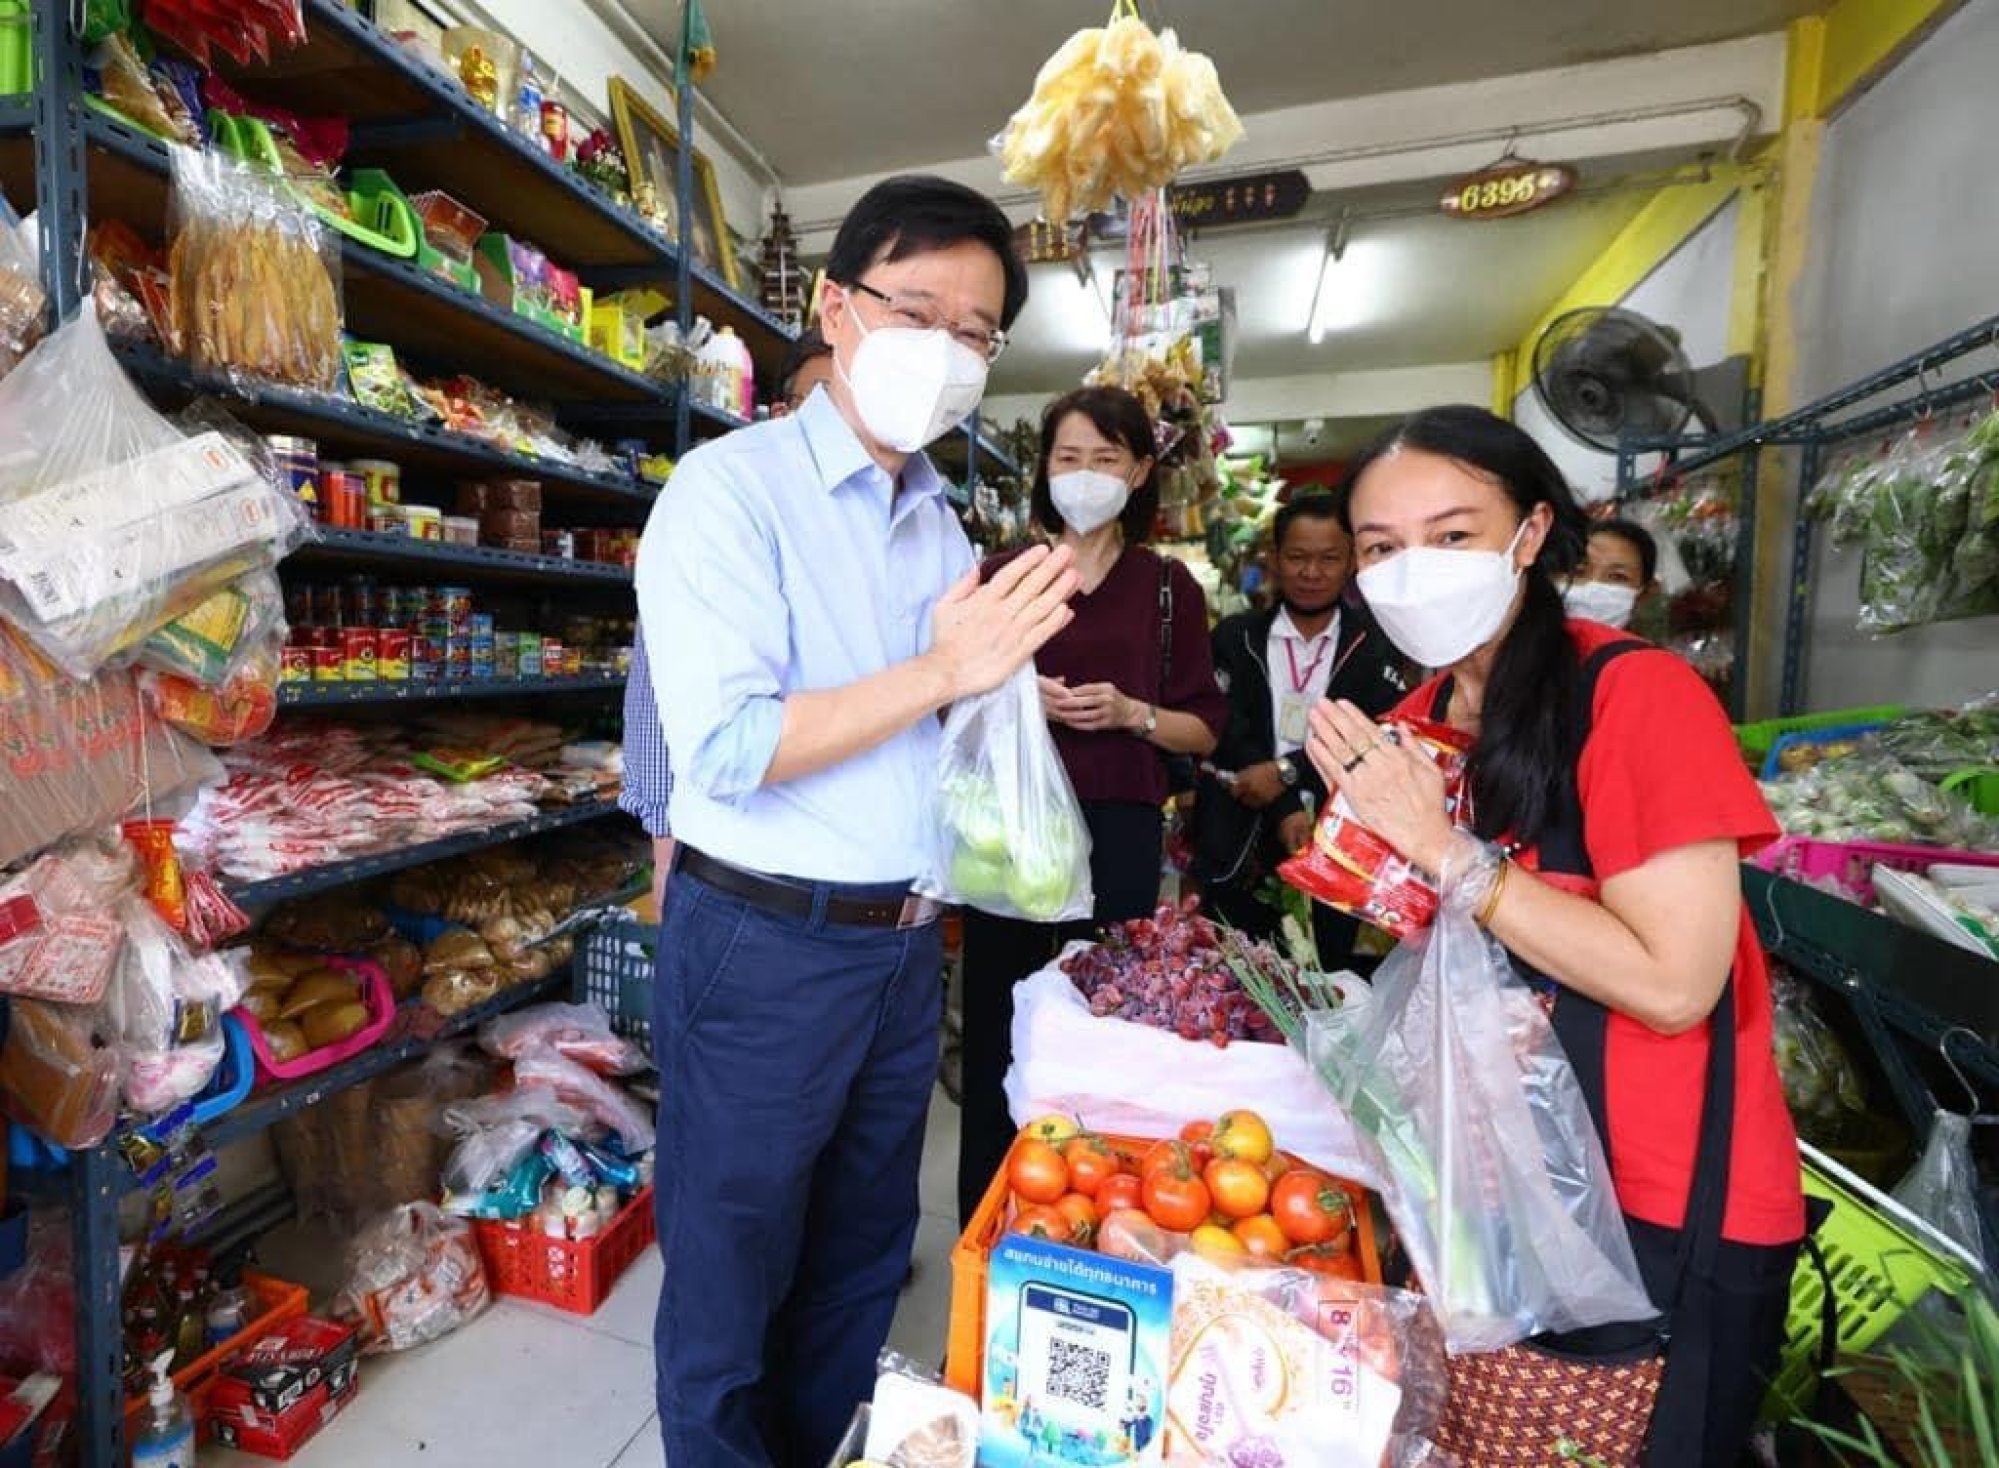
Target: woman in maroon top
1128,683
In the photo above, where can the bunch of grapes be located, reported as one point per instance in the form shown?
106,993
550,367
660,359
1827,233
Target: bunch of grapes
1168,971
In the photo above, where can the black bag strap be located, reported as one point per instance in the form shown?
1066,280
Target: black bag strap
1165,629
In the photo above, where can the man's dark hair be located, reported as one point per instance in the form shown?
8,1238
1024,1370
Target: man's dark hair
1320,506
914,214
1120,417
809,348
1639,539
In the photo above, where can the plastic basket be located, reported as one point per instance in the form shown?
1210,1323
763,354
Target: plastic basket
616,962
376,994
1757,740
1978,785
17,48
573,1275
1773,763
1850,864
964,1362
276,1301
1882,1259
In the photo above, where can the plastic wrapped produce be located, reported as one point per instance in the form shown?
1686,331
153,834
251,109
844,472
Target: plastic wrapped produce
1821,1086
1010,839
254,277
90,567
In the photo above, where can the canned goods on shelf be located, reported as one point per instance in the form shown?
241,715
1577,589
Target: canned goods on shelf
392,653
358,651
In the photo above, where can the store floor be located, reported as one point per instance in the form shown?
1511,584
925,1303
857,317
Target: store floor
525,1386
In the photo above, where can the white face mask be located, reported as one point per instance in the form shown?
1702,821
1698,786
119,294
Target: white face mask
1601,601
909,386
1440,605
1087,500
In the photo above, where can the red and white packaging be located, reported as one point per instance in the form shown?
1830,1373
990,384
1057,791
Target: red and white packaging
285,1387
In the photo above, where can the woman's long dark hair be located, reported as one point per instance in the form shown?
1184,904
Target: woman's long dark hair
1527,748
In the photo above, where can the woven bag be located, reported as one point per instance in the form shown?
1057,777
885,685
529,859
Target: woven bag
1516,1408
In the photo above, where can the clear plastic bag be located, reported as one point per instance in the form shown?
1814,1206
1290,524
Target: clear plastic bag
1821,1085
495,1132
255,277
582,1032
1942,1188
1010,838
1492,1171
413,1276
603,1100
61,937
54,1078
22,302
163,1012
1286,1368
88,568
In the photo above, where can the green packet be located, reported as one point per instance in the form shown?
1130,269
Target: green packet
459,766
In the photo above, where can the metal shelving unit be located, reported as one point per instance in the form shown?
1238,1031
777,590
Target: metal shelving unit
1813,432
76,164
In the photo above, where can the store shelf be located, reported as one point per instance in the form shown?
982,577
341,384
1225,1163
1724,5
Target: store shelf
346,873
423,316
473,561
344,428
383,694
17,117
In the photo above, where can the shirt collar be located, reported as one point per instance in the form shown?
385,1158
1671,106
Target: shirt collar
840,457
1285,628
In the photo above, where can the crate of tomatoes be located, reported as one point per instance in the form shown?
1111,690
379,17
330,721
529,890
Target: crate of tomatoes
1222,1189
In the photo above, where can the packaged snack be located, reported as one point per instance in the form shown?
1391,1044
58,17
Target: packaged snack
413,1276
1349,867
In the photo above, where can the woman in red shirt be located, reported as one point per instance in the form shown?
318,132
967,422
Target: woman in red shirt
1128,683
1606,775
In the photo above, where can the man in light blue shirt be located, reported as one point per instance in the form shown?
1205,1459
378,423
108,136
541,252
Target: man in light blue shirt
810,606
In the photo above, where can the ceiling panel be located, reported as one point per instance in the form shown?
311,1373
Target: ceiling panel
836,90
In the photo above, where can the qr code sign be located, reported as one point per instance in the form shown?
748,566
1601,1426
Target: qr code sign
1079,1374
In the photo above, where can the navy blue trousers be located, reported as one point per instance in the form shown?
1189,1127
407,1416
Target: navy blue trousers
796,1063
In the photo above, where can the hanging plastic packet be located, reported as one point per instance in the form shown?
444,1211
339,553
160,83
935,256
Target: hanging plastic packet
210,641
174,1166
1942,1188
161,881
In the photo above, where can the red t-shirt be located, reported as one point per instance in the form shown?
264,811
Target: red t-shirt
1116,637
1660,771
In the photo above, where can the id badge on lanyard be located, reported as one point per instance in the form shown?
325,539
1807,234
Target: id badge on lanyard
1293,717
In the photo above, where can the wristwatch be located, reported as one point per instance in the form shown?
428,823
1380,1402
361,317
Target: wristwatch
1287,771
1151,725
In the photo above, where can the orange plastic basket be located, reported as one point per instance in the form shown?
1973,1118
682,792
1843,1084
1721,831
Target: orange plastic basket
275,1302
965,1354
571,1274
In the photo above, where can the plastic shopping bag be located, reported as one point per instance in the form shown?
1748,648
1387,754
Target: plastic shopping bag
1942,1188
1491,1167
1010,838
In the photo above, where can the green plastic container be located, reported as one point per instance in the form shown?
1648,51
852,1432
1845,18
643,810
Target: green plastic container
1979,785
383,219
1757,740
17,48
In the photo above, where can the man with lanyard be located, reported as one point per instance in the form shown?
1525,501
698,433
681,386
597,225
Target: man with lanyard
1256,798
811,606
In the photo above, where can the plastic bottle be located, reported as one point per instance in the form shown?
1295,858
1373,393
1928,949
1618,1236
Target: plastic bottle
165,1437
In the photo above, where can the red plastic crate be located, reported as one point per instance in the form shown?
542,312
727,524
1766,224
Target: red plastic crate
573,1275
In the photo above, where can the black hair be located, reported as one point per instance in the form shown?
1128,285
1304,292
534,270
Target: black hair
809,348
914,214
1525,757
1639,539
1318,506
1120,417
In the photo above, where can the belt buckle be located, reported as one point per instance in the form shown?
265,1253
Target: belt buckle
918,912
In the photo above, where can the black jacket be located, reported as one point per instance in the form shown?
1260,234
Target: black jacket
1367,672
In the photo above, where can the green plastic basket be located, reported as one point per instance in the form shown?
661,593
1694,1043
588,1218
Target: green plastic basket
1882,1259
1980,786
1757,740
17,48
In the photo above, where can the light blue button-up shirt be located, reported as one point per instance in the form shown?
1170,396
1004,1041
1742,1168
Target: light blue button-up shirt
782,559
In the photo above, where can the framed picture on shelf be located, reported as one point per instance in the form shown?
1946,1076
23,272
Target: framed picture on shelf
652,152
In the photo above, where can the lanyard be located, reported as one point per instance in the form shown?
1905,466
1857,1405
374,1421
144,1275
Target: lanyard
1300,683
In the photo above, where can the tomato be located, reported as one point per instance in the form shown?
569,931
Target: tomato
1323,1259
1312,1209
1239,1188
1200,1139
1091,1165
1037,1171
1262,1237
1218,1244
1123,1191
1082,1216
1197,1131
1244,1134
1177,1200
1279,1164
1167,1157
1042,1222
1052,1129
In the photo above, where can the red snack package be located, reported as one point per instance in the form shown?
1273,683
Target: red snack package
165,888
1349,867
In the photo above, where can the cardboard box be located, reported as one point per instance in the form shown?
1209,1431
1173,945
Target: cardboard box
1077,1350
238,1422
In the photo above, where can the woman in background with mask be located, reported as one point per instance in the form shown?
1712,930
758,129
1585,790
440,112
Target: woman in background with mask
1128,683
1618,576
1611,811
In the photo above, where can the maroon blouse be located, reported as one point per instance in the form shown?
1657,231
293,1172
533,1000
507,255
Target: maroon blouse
1116,638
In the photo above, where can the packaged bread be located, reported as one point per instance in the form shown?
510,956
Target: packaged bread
457,949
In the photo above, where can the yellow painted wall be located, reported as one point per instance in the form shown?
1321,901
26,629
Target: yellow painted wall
1864,38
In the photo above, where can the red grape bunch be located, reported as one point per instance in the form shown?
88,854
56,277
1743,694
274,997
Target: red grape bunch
1167,971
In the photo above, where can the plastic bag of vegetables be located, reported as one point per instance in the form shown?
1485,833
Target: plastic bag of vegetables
1493,1173
1009,838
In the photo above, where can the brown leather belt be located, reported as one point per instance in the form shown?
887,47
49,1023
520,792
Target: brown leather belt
799,900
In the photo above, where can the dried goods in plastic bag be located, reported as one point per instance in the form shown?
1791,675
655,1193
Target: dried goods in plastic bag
413,1276
1491,1168
582,1032
90,567
59,938
1010,837
22,302
255,277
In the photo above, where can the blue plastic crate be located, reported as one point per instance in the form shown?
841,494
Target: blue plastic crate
615,965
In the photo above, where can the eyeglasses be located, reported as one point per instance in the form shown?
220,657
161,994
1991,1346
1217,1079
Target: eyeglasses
917,315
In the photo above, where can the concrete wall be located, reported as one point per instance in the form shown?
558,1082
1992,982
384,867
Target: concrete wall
1905,251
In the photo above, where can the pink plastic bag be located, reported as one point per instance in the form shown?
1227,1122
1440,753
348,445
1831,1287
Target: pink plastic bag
542,1066
582,1032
